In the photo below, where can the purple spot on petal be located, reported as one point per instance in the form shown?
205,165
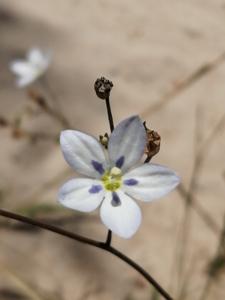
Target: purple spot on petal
115,200
95,189
98,167
120,162
130,182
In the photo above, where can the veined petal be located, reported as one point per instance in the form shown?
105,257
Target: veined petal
127,143
81,194
120,214
149,181
83,153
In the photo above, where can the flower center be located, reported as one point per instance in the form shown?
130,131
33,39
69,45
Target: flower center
112,179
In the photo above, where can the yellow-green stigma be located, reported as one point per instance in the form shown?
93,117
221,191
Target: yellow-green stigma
112,179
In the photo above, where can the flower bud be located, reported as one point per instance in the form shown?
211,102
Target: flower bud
104,140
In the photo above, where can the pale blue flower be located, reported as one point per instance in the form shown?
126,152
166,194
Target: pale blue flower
114,178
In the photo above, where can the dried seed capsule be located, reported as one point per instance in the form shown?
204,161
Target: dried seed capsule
153,142
103,87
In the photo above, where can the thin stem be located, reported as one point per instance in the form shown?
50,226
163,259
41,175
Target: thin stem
187,82
213,272
57,116
23,286
111,124
199,209
138,268
49,227
109,112
108,238
56,112
186,223
90,242
45,83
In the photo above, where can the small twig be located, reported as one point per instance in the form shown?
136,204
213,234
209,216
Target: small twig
197,74
32,136
206,289
21,284
201,155
187,280
57,116
54,220
91,242
185,229
189,198
199,209
210,277
43,104
46,85
54,97
18,132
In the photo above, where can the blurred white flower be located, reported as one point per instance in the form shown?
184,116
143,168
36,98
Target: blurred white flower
114,178
31,68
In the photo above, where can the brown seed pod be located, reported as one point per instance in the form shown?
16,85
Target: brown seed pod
153,142
103,87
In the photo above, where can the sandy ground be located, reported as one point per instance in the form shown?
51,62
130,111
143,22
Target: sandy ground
148,49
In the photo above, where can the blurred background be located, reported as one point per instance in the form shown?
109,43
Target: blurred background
167,63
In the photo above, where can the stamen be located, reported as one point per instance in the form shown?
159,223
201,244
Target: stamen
112,179
115,171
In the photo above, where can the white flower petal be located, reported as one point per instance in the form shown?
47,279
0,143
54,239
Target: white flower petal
39,58
83,153
127,143
120,214
25,71
25,80
33,67
21,68
149,181
81,194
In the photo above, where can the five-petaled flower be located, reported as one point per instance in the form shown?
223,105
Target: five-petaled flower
31,68
115,178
